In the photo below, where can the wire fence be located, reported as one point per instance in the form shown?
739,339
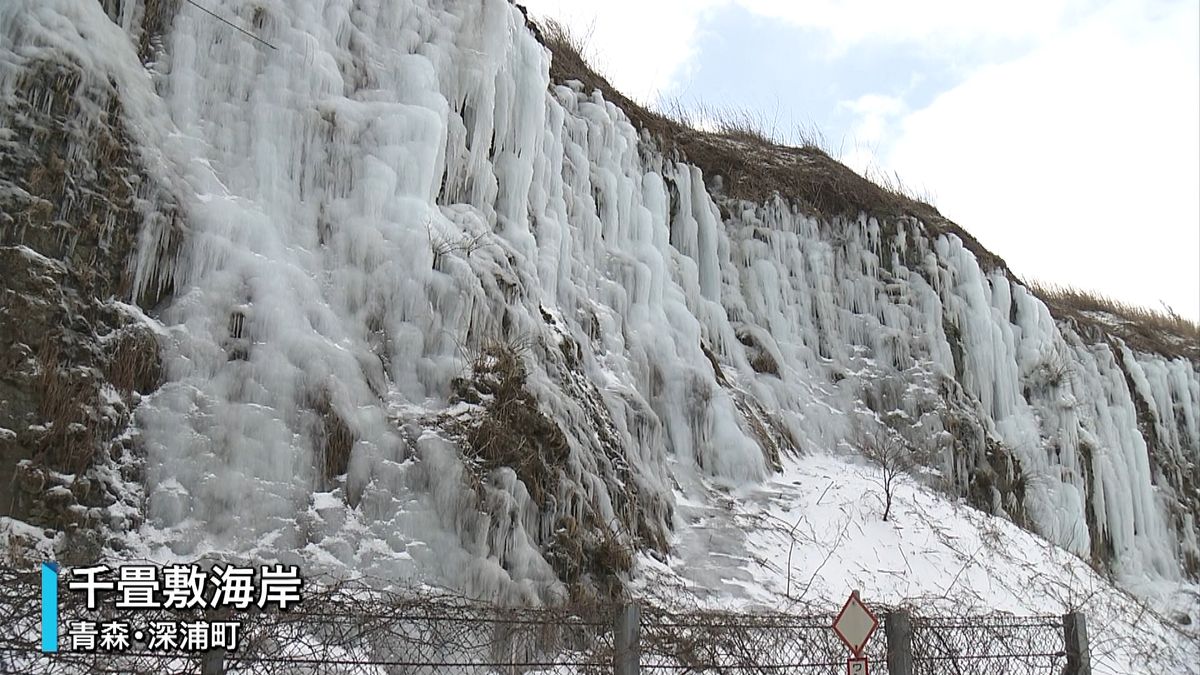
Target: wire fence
349,628
741,643
982,645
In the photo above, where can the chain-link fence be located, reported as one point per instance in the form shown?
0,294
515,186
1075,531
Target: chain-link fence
351,628
983,645
744,643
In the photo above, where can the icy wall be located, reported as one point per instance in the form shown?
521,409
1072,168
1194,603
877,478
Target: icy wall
424,314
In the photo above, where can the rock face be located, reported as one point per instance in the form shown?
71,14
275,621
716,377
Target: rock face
418,308
75,360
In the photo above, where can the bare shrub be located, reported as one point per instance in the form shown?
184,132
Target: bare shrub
465,244
893,455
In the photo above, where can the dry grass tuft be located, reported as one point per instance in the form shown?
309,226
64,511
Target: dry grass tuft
512,431
772,436
1142,328
158,15
71,438
135,364
589,558
742,125
894,185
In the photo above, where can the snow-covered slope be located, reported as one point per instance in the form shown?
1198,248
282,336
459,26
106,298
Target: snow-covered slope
424,313
821,518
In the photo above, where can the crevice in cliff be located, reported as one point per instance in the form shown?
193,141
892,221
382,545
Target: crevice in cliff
332,438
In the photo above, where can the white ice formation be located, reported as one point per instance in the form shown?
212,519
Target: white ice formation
376,206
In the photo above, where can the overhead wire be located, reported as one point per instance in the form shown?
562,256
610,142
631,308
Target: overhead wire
232,25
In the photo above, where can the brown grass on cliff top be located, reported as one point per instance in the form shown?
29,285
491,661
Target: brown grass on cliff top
1142,328
754,167
750,164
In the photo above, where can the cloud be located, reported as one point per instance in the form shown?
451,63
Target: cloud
875,116
875,119
1079,162
1076,157
644,47
641,46
946,21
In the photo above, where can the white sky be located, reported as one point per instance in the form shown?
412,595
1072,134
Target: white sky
1063,134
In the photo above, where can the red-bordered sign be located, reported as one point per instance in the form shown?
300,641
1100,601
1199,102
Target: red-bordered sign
855,624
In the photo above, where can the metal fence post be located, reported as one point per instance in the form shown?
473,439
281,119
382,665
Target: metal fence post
213,662
627,628
1079,656
897,627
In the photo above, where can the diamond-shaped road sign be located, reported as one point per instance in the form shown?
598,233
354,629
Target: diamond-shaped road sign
855,624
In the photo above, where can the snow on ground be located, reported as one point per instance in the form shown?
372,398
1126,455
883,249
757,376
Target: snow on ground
806,538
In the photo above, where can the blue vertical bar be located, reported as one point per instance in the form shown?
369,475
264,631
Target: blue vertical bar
49,607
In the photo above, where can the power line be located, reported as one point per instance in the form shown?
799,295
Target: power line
239,29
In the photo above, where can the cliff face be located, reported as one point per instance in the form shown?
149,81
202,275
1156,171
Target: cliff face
75,359
423,311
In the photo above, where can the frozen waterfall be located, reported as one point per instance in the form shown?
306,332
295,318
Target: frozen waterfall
379,210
